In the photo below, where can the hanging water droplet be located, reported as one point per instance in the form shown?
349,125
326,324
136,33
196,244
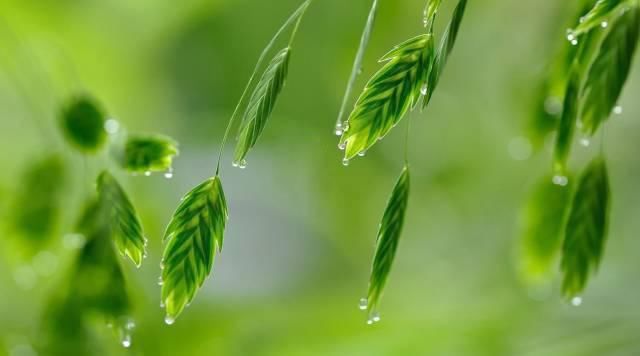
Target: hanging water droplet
169,320
362,153
574,42
235,163
160,281
570,35
585,142
112,126
169,173
617,110
242,164
162,304
582,19
363,304
147,173
126,340
375,317
423,90
342,146
162,265
345,126
604,24
345,162
339,129
560,180
576,301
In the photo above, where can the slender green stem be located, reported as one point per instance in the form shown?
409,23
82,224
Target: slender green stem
406,141
296,16
357,64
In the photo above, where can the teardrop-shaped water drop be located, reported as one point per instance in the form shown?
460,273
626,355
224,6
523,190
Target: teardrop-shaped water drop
342,146
169,320
345,162
576,301
363,304
126,340
242,164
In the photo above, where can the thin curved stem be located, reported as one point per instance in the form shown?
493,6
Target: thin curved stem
296,16
357,64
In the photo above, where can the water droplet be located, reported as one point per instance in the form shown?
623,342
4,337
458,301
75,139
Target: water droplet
112,126
363,304
126,340
585,142
582,19
345,162
345,126
130,324
617,110
160,281
604,24
162,265
570,35
574,42
553,106
373,318
423,90
362,153
147,173
520,148
576,301
339,129
235,164
161,304
560,180
242,164
342,146
169,320
169,173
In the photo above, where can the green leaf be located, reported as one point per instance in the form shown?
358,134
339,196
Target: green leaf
610,70
566,128
262,103
430,13
586,228
192,238
390,93
39,199
544,219
446,46
143,154
82,123
598,16
387,241
125,227
550,95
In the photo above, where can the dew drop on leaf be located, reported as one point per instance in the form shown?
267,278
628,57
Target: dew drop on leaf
169,320
363,304
560,180
345,162
576,301
342,146
617,110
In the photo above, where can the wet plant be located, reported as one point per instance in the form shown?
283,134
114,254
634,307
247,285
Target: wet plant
593,69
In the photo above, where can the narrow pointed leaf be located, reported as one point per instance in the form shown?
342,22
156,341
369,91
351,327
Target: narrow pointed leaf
586,228
82,122
192,239
543,228
390,93
262,103
388,240
566,128
125,227
610,70
141,154
430,13
446,47
601,13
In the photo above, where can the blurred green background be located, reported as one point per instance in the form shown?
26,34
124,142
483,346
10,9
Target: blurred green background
301,232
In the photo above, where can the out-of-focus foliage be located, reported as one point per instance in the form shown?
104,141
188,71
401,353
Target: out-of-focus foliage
142,154
82,122
543,221
586,228
39,200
